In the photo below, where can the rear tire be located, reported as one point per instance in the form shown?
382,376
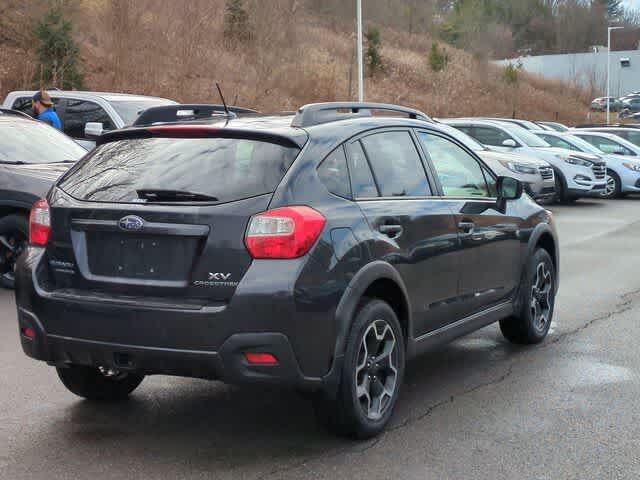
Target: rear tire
90,383
371,376
14,230
537,301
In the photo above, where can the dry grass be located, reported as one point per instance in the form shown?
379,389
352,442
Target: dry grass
177,50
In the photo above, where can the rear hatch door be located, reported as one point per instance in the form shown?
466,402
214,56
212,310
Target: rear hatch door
162,217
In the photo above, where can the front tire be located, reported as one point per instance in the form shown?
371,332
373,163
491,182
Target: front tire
537,301
613,187
372,373
561,191
92,384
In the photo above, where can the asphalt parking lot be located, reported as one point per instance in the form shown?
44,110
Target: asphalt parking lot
477,408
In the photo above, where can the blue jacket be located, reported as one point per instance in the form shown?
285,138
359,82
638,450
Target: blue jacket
51,117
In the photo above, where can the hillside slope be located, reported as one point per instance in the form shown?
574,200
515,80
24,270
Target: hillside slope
178,50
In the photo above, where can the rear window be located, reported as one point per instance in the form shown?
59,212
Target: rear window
227,169
26,141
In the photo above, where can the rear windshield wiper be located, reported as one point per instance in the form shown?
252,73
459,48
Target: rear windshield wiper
158,195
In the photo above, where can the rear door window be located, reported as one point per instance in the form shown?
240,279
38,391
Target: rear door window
79,112
396,164
227,169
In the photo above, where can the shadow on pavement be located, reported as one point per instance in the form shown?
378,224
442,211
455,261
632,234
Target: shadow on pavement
209,426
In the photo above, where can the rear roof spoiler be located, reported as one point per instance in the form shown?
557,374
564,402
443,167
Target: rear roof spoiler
186,112
319,113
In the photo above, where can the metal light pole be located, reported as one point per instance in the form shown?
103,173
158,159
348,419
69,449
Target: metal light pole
609,71
360,60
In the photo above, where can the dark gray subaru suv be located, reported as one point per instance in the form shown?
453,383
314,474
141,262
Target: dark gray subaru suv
319,251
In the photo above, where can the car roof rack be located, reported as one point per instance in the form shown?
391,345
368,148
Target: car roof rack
17,113
319,113
186,112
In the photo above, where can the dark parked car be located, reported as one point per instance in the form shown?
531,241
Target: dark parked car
319,251
32,156
631,105
600,104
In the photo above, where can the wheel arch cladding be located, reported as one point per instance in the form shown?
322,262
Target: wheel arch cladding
376,280
546,242
545,237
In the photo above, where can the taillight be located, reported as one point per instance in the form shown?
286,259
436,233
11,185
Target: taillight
39,223
261,358
287,232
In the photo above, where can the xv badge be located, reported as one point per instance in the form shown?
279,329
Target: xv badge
219,276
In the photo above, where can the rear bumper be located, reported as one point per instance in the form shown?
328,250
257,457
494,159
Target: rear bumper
207,342
227,364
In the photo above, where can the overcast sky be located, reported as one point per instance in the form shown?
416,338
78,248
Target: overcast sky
632,3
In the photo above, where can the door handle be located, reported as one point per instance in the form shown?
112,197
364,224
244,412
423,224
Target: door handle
467,227
390,231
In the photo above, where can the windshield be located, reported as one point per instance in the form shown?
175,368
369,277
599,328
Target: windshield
629,135
130,110
525,136
462,137
527,124
581,144
609,144
33,142
129,171
556,126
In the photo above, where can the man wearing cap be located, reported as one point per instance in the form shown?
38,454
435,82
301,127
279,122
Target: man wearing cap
42,107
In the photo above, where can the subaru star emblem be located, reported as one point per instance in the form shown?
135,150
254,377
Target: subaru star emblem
130,223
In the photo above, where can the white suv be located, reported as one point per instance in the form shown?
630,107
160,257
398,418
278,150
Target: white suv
577,174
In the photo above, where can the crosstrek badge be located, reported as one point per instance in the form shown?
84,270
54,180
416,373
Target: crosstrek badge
216,280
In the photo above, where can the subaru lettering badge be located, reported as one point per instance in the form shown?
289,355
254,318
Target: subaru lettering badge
131,223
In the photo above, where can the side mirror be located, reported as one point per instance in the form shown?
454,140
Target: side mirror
619,152
508,189
93,129
509,142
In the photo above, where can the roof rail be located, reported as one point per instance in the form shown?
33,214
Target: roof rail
17,113
185,112
318,113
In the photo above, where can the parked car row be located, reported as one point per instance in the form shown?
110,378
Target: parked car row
627,105
318,250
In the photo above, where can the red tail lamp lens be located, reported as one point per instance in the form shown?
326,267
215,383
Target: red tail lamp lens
281,233
261,358
28,332
39,223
